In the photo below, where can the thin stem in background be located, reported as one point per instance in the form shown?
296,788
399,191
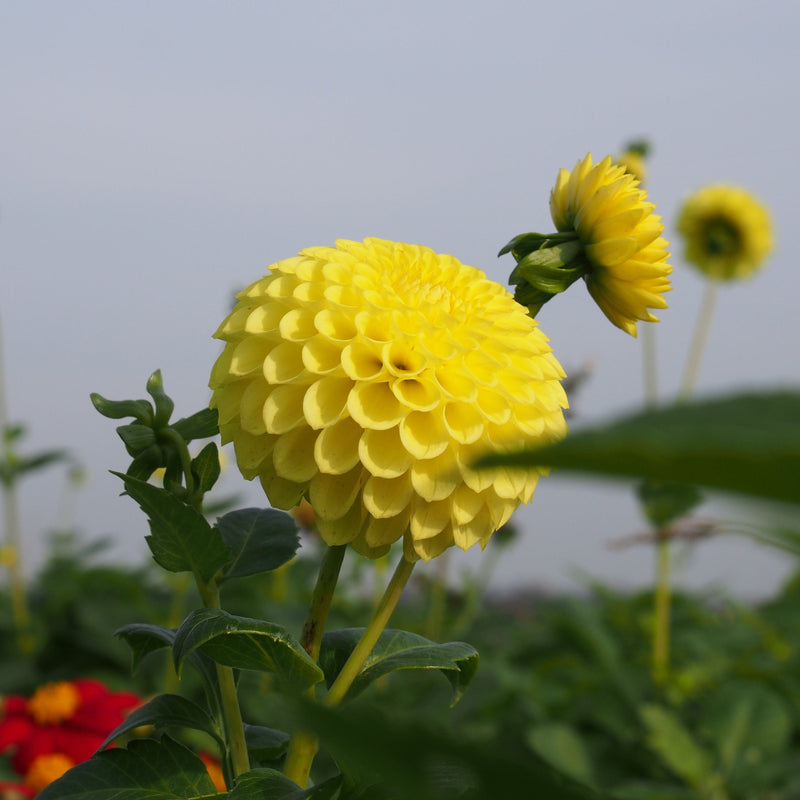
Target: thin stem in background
661,631
699,339
303,746
649,365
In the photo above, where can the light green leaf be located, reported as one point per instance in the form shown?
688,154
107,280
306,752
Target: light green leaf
560,745
246,644
146,770
747,443
181,539
396,650
201,425
260,540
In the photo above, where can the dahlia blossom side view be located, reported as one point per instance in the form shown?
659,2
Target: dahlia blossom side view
608,235
727,232
368,377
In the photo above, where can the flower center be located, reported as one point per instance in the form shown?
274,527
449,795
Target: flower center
47,768
54,702
722,237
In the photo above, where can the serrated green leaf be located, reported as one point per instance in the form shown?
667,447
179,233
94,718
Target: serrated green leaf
201,425
143,639
181,539
165,711
145,770
747,443
748,722
247,644
260,540
265,744
396,650
669,738
269,784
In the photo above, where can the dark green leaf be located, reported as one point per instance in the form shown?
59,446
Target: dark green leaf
260,540
265,744
205,467
397,650
146,463
664,501
269,784
146,770
144,639
181,539
201,425
748,443
168,710
136,437
247,644
119,409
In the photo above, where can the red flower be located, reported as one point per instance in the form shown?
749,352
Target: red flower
69,717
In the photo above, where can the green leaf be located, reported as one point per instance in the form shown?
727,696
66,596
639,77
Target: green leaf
181,539
664,501
146,463
144,639
164,404
265,744
205,467
260,540
748,722
119,409
269,784
146,770
747,443
247,644
136,437
674,744
412,759
168,710
560,745
202,425
396,650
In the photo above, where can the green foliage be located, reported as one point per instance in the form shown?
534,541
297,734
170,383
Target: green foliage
749,443
399,650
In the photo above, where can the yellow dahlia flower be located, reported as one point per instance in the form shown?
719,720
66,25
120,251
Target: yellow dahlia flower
368,377
727,232
625,252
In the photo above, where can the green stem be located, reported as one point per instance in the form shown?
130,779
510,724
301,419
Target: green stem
699,339
649,365
303,746
234,727
662,613
369,638
186,463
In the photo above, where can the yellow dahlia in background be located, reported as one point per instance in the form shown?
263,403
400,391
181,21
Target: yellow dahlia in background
621,237
633,162
368,377
727,232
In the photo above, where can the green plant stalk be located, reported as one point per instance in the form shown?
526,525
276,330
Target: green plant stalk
661,629
303,746
344,680
649,365
699,339
234,727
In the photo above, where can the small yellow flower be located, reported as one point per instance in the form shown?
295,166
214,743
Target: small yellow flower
368,377
727,232
634,164
621,238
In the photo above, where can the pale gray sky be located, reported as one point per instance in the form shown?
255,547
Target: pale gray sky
156,156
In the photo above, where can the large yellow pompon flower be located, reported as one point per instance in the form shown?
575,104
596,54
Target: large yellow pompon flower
621,237
728,233
368,377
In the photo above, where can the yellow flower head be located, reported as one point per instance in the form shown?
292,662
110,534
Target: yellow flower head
633,163
727,232
368,377
621,238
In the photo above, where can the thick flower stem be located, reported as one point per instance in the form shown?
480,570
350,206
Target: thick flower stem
234,727
699,339
662,615
355,662
303,746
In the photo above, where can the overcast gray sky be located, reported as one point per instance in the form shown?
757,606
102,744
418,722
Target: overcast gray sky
156,156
